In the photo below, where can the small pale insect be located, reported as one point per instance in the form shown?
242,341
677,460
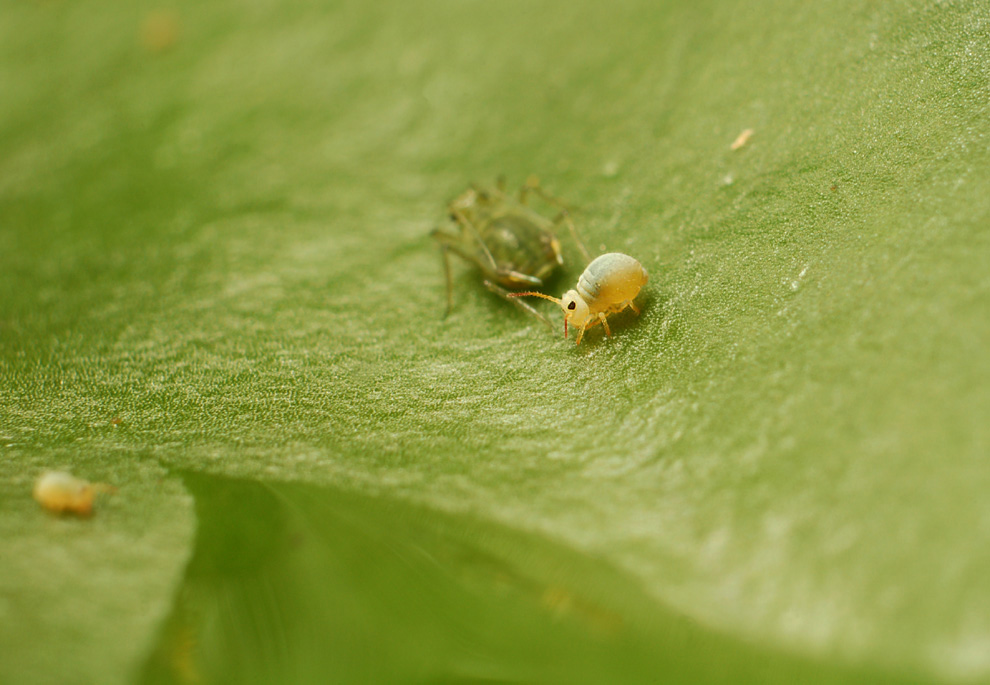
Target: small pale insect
62,492
609,284
514,246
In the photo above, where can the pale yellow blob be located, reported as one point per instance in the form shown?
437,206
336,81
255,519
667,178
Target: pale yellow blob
742,139
609,284
62,492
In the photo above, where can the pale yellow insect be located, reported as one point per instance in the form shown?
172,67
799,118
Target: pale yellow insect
62,492
609,284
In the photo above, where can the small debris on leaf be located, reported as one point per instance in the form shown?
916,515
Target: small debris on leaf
742,139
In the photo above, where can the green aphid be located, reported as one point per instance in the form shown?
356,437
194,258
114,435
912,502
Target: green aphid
514,246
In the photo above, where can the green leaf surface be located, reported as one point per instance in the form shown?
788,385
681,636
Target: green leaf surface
217,284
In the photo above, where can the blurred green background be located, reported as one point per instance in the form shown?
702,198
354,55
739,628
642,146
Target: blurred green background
218,293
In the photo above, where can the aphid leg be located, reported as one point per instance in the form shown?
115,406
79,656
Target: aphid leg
470,228
501,292
533,183
447,243
566,217
530,183
555,300
601,317
450,280
632,306
480,192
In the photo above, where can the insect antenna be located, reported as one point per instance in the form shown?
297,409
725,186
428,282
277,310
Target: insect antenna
545,297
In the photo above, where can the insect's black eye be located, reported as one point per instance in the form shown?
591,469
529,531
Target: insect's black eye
572,305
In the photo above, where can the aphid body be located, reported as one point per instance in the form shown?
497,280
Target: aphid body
62,492
514,246
609,284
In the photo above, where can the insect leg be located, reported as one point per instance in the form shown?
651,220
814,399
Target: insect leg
518,278
447,243
574,235
530,183
467,225
501,292
533,183
450,280
591,324
601,317
632,306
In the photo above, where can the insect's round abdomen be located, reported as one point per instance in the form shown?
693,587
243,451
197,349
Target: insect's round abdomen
610,279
